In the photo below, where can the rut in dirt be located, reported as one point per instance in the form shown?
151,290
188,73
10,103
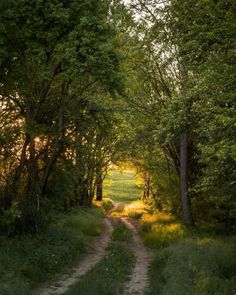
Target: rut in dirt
139,278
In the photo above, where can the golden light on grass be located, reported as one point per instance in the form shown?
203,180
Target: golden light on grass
168,229
158,229
158,217
135,209
210,241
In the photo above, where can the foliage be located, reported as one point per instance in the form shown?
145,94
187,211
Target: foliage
87,83
56,87
212,71
183,81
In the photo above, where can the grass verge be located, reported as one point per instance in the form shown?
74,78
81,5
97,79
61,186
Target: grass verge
188,261
28,261
194,267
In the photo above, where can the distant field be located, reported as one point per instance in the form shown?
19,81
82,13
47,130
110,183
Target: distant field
121,186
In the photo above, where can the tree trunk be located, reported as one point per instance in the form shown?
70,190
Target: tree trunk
185,202
146,191
34,183
99,185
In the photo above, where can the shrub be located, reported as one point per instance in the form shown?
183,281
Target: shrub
106,204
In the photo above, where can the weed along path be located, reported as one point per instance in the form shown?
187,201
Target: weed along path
96,253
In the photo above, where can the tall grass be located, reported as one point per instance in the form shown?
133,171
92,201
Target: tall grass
188,262
28,261
190,268
160,229
87,221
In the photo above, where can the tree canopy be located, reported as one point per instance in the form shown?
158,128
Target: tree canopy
84,84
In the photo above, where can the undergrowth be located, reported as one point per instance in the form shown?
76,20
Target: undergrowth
28,261
160,229
187,261
194,267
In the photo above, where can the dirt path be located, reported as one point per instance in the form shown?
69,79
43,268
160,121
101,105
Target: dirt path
139,277
96,253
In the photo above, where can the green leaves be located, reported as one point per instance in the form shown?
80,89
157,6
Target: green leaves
59,70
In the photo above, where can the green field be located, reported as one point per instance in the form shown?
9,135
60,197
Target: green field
121,186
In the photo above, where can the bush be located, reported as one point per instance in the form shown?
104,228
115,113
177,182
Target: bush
106,204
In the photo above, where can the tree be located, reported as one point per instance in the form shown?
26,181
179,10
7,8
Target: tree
192,44
64,52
